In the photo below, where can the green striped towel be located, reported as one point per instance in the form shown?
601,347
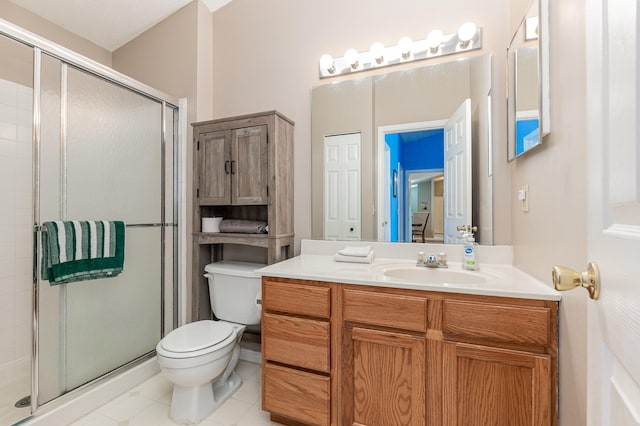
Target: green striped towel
81,250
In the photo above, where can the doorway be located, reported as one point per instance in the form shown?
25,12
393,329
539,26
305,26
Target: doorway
411,156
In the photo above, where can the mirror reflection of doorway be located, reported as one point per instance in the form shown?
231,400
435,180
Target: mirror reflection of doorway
417,157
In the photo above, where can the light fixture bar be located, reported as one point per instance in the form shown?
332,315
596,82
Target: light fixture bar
393,55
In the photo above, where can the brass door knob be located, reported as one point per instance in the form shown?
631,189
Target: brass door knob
568,279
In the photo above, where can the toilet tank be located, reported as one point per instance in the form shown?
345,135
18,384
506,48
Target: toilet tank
235,291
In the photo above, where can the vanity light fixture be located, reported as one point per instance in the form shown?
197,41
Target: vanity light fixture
351,57
405,45
466,33
468,37
434,40
377,52
327,64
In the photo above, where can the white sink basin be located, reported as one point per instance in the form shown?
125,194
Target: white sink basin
423,275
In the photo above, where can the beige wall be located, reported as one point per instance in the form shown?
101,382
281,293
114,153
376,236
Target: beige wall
554,230
37,25
266,57
171,57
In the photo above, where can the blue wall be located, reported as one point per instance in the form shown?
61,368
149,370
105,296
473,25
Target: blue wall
395,147
523,128
424,154
416,153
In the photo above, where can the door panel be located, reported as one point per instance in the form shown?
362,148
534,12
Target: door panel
614,207
385,378
249,166
215,168
457,172
342,202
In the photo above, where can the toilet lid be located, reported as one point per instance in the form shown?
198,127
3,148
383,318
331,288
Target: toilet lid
196,335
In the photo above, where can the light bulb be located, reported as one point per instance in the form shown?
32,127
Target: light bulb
404,45
377,52
326,63
351,58
434,40
466,32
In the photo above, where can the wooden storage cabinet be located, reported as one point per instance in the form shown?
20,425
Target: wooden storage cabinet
233,167
243,169
409,357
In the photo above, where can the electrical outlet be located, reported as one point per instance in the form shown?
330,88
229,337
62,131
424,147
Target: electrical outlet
523,196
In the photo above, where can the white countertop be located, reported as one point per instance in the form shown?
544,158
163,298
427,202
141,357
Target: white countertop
493,279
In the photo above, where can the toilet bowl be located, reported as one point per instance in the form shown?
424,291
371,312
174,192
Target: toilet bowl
200,358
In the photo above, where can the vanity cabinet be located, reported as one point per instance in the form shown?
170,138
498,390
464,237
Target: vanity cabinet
296,351
391,356
243,169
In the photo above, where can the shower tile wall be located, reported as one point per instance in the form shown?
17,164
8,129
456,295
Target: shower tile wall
16,235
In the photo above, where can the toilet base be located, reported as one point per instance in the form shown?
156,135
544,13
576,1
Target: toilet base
194,404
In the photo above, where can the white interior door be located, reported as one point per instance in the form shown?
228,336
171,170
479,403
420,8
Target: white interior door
342,200
457,172
613,373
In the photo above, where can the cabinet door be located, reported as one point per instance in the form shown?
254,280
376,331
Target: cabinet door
214,172
249,166
384,378
490,386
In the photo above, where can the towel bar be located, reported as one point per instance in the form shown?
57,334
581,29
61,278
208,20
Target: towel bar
128,225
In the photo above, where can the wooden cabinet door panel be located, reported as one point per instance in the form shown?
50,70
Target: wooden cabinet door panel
249,167
215,168
295,341
490,386
384,378
299,395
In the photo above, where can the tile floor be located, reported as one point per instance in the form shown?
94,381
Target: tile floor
148,405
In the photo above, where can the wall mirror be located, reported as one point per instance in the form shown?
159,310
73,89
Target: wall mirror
528,76
404,156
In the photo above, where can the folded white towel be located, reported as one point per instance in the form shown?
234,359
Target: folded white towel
354,259
357,251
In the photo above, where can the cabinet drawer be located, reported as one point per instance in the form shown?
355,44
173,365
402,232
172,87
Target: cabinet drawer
296,394
387,310
296,341
503,323
296,298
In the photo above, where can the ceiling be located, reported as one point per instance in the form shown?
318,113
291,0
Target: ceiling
108,23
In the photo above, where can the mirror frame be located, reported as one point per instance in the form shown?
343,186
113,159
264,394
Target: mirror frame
544,114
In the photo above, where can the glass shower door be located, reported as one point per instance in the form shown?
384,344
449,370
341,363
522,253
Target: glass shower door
16,227
102,158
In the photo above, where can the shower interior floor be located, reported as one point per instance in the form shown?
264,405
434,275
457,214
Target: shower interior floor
15,383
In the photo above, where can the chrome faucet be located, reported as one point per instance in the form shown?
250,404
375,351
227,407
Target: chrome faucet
432,261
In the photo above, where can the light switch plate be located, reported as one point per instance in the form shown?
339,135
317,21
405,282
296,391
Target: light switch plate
523,196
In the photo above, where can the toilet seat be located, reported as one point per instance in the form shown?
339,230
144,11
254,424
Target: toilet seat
197,338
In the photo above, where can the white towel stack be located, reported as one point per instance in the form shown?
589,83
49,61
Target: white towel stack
355,254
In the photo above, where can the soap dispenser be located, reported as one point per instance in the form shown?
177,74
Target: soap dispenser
470,260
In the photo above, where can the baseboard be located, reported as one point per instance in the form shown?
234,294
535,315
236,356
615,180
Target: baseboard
250,355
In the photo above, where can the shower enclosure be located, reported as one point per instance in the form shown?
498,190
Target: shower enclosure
79,141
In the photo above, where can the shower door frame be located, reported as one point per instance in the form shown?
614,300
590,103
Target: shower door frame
42,46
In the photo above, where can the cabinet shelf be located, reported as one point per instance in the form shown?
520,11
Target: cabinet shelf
257,240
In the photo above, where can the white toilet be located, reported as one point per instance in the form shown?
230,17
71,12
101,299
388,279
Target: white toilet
200,357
